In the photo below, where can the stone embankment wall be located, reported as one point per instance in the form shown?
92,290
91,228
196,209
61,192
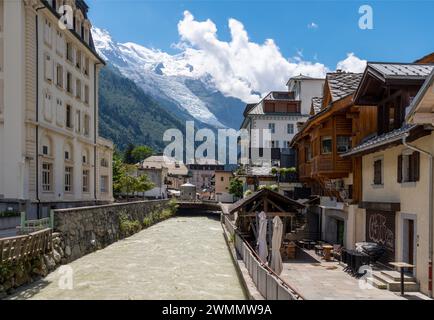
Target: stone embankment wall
84,230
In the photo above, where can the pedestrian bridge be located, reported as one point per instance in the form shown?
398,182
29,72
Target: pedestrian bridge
198,206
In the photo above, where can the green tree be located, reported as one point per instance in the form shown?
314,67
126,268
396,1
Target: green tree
236,187
118,173
128,154
140,153
143,183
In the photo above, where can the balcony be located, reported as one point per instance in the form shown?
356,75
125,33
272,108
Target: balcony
325,165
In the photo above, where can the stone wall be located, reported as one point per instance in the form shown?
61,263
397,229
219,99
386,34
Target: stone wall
84,230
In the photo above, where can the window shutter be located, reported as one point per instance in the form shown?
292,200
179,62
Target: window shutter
399,173
416,165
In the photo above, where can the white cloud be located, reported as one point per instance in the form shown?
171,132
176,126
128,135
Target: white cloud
312,25
352,64
240,67
244,69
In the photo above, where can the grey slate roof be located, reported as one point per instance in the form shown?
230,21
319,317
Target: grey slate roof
427,84
401,70
316,104
342,84
380,140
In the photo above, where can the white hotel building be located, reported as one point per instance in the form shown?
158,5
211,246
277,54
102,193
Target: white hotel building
51,155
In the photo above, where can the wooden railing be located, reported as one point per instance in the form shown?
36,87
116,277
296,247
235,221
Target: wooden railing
16,249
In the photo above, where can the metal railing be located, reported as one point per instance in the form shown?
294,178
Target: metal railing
269,284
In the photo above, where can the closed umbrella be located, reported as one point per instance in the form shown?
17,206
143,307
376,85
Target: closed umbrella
262,237
276,258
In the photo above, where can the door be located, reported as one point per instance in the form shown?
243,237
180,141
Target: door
409,243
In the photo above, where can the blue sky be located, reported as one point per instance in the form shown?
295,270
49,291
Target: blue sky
402,29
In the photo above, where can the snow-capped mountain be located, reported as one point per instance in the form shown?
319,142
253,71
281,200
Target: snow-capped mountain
171,79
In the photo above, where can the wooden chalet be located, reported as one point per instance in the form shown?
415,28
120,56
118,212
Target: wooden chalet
334,127
272,203
390,87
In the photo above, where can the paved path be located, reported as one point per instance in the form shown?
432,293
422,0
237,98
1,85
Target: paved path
180,258
319,280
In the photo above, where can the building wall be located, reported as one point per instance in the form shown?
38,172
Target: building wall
413,197
308,90
222,182
31,81
281,132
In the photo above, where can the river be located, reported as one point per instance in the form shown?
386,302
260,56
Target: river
180,258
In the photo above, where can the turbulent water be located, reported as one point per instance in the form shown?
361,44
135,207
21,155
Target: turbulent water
180,258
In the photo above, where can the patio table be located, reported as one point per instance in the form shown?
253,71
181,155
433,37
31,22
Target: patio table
401,266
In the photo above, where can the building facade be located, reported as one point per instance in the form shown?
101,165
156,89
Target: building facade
222,181
51,154
394,210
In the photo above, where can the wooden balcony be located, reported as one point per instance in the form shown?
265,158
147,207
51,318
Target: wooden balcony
325,165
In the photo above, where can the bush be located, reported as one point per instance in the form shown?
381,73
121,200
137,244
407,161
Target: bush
7,214
127,226
173,206
247,193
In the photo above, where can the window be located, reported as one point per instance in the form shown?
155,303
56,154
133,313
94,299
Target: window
68,179
86,66
60,43
46,176
86,94
408,167
78,118
69,82
47,32
69,51
104,184
48,68
272,127
48,107
104,162
78,59
67,155
378,172
68,116
326,145
86,180
59,75
343,144
222,179
290,128
86,124
45,150
78,89
308,152
274,143
60,113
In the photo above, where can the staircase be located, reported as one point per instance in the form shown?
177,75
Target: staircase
391,280
329,188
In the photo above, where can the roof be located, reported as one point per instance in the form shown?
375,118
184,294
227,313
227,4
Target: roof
249,107
420,95
381,140
83,6
342,84
289,203
429,58
173,166
316,104
302,77
400,70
